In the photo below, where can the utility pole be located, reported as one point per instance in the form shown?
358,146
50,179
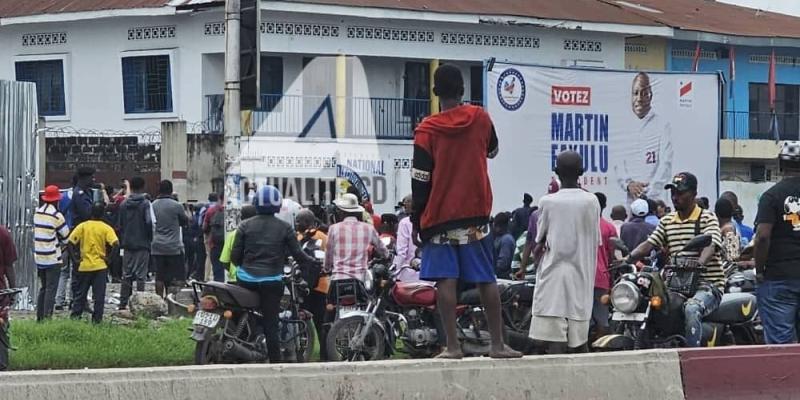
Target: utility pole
232,112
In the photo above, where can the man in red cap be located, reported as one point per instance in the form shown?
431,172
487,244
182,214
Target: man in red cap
50,234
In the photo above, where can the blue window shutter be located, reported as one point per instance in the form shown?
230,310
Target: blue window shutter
48,75
147,84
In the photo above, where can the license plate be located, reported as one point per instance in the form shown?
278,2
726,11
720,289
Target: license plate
207,319
618,316
347,309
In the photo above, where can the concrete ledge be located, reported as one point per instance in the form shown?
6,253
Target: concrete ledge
751,372
642,375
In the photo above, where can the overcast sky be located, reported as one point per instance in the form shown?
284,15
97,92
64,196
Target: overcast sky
791,7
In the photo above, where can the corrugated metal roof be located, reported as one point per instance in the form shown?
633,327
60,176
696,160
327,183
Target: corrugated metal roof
573,10
693,15
713,17
18,8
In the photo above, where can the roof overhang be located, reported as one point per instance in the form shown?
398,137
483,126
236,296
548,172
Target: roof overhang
694,36
84,15
464,18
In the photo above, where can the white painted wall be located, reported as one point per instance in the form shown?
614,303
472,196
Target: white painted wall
748,193
94,48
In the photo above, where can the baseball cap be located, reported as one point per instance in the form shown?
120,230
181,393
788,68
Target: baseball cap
683,182
640,208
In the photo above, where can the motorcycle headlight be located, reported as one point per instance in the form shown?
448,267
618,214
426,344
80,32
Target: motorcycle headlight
625,297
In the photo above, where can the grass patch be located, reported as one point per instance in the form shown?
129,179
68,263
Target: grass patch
68,344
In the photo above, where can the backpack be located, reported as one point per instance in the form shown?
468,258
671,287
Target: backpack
217,227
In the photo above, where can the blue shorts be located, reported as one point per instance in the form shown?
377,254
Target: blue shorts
472,262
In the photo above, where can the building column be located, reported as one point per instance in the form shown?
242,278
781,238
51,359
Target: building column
434,99
341,96
174,154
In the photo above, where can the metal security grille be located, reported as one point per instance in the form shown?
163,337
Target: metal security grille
147,84
48,75
18,124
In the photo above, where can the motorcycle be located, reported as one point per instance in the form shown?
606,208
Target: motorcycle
226,322
6,299
407,310
648,312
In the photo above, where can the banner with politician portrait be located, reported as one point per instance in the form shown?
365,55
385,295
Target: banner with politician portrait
634,130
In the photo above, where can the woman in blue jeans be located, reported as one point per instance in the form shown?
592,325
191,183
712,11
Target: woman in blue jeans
260,249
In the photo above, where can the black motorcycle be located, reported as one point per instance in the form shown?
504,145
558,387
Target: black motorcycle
648,307
6,300
227,328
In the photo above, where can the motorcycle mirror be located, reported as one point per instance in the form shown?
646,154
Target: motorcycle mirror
698,243
620,245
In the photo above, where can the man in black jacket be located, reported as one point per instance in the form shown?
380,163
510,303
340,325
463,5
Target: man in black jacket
260,249
136,227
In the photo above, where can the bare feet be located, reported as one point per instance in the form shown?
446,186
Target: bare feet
506,352
450,355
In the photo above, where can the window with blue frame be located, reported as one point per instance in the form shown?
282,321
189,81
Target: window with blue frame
48,75
147,84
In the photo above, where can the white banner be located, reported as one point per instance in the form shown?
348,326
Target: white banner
305,170
635,130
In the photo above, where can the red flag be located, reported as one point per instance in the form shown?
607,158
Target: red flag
696,61
772,81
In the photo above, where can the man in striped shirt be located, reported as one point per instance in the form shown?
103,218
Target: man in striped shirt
674,231
50,234
349,242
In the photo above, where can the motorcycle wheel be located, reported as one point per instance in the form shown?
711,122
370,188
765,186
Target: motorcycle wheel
308,338
343,330
204,353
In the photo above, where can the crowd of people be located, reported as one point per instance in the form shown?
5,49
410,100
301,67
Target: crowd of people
92,234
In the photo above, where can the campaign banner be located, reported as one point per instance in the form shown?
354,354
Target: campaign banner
634,130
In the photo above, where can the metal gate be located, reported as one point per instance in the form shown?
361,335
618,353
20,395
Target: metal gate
18,181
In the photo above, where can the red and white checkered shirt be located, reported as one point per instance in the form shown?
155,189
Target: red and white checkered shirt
349,245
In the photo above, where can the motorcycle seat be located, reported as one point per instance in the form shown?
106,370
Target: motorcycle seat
245,298
734,308
470,297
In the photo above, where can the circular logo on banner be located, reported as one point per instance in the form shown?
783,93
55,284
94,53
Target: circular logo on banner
511,89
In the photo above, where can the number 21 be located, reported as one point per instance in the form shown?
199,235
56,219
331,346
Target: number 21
651,157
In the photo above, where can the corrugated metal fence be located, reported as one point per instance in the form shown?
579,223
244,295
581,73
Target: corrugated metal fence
18,185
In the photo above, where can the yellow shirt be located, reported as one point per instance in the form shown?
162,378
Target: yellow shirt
94,237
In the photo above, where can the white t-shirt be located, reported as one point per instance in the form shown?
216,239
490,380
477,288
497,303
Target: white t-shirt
570,225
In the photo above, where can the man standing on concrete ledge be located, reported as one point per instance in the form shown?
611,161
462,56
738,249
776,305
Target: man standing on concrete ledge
452,199
567,240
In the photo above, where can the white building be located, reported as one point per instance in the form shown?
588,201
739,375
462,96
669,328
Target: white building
103,65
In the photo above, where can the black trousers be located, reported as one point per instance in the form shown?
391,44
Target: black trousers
48,286
95,280
271,294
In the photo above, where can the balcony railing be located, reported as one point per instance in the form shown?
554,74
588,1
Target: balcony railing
759,125
315,116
